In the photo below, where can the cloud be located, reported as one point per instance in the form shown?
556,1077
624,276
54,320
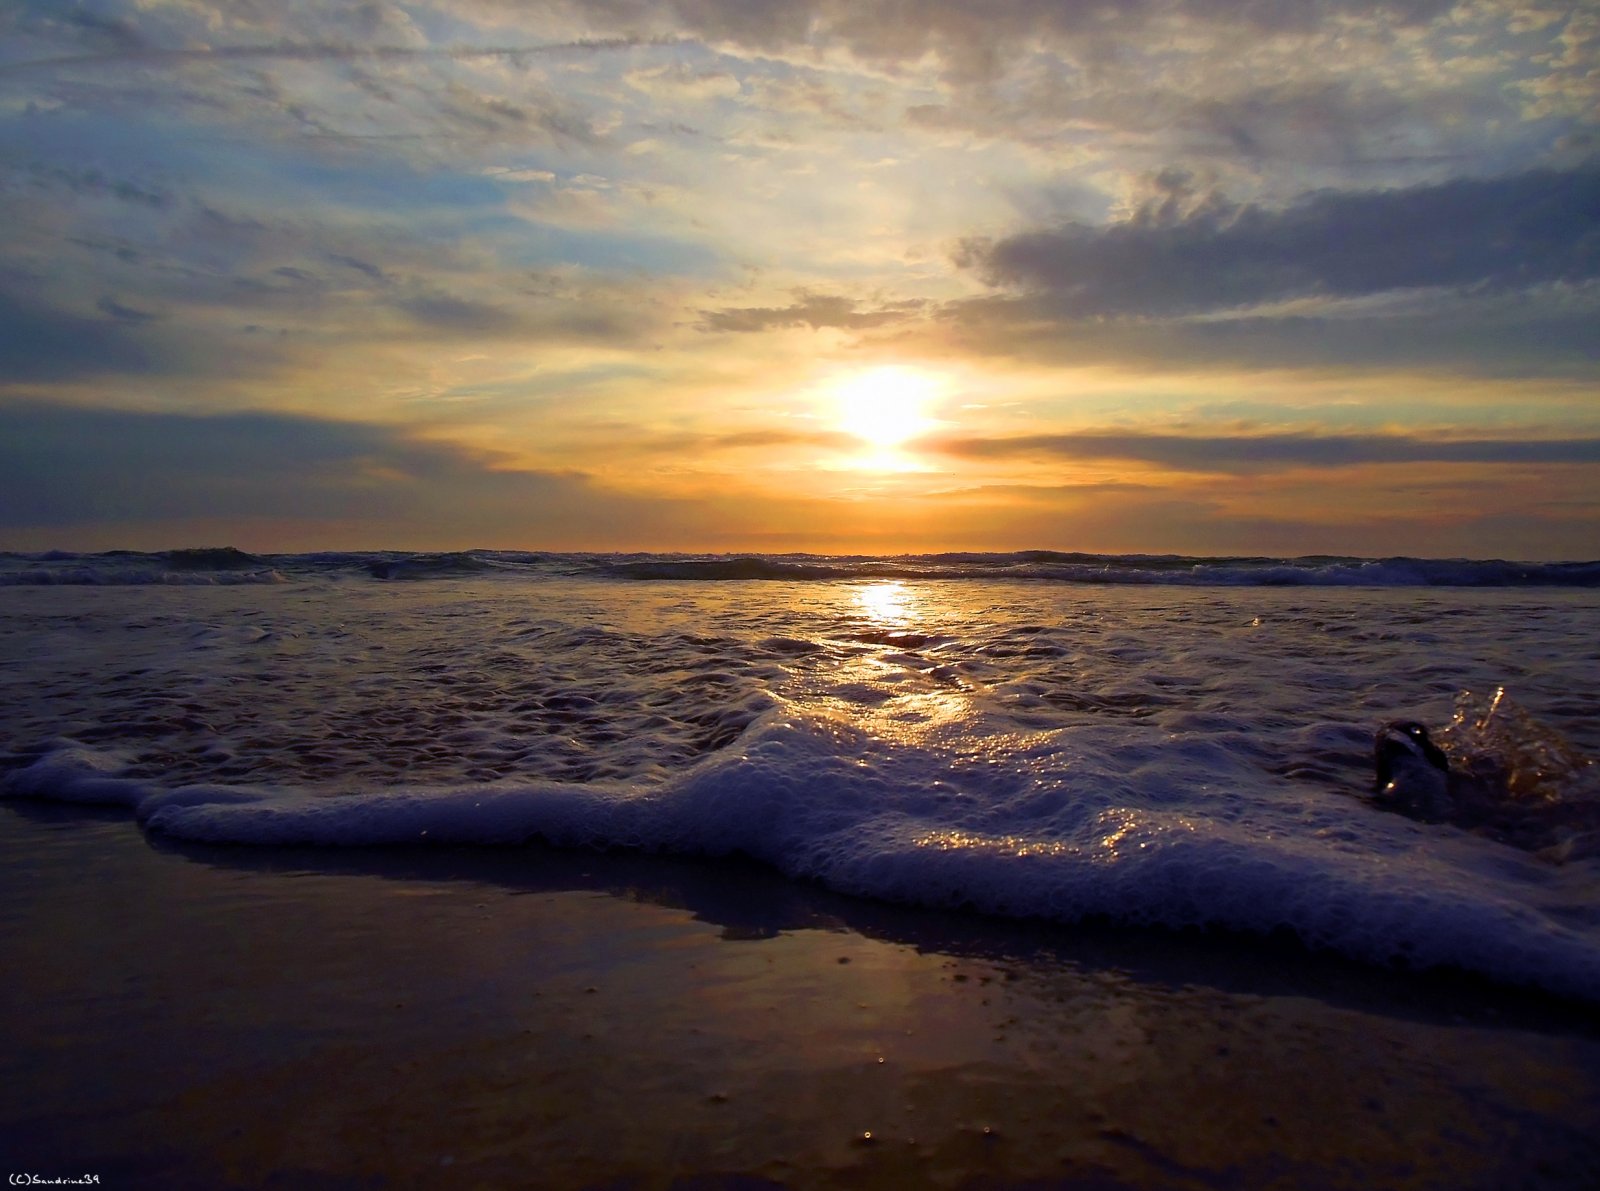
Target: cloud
64,466
561,225
679,81
360,266
135,51
1133,64
1508,233
1342,121
93,183
971,39
128,314
46,337
38,343
602,316
88,290
970,44
465,111
811,310
1268,452
698,445
316,77
1535,334
452,315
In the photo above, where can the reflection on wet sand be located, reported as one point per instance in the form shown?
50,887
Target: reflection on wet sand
216,1016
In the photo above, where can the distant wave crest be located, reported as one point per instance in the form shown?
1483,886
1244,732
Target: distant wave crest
228,565
1050,566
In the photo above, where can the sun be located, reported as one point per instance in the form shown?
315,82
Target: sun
887,406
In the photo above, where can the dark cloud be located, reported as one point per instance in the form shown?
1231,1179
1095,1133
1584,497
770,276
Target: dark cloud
127,314
93,183
1540,333
63,466
300,277
599,318
43,339
360,266
811,310
1264,452
123,252
39,343
1515,232
97,25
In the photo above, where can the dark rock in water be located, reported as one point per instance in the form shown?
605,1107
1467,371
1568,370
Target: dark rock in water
1411,773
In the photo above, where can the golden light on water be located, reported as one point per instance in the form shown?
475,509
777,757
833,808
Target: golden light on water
891,604
900,692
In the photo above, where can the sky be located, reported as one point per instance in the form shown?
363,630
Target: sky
1158,276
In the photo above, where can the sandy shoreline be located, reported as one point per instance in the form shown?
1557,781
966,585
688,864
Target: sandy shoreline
239,1017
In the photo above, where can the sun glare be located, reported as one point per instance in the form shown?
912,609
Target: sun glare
886,406
892,603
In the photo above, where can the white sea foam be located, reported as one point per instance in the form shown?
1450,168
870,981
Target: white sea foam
890,821
1166,757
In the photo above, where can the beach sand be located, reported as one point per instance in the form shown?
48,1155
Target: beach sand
212,1017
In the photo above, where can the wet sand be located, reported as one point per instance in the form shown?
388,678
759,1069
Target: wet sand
188,1017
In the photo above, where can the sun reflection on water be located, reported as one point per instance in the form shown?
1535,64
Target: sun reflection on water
893,604
897,685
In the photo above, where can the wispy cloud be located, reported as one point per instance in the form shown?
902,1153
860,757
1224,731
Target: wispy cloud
291,51
810,310
1262,452
128,314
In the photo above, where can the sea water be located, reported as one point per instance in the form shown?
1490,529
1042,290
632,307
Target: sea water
1149,741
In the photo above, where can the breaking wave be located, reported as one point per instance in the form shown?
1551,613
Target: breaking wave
220,565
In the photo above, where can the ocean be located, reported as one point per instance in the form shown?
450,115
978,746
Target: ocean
1132,741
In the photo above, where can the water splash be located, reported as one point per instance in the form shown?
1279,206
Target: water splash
1492,738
